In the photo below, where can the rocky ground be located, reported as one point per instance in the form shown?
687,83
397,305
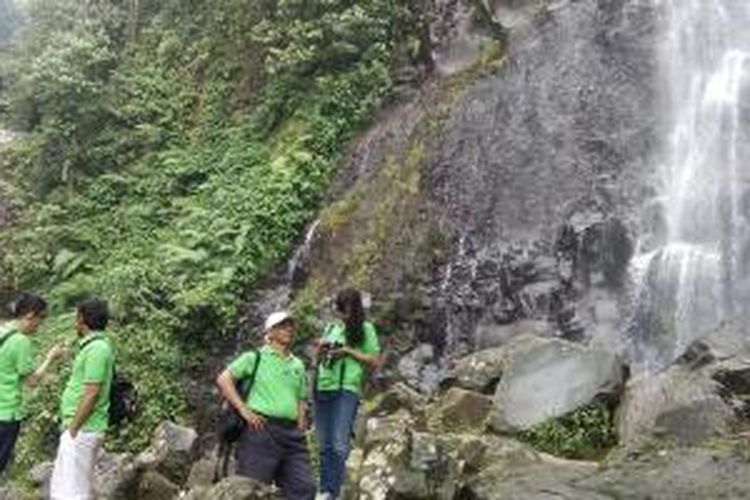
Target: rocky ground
678,434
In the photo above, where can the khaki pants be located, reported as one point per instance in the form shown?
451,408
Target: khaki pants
74,466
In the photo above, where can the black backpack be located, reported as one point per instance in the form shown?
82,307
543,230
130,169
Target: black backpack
231,424
123,400
123,396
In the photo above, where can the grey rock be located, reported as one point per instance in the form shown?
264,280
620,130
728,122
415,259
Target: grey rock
480,371
239,488
461,410
539,481
420,368
547,378
388,429
171,452
682,473
398,397
115,476
154,486
201,473
680,405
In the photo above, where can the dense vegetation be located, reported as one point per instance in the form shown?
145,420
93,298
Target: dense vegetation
174,150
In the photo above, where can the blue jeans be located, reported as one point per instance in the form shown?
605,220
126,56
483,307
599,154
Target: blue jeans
335,412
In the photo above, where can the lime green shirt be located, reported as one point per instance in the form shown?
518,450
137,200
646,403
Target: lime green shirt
329,376
280,382
16,362
93,364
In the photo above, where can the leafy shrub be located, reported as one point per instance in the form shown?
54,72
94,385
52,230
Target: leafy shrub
587,433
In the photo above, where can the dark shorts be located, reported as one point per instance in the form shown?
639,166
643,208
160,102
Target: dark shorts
277,454
8,437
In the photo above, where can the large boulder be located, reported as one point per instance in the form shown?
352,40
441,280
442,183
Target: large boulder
115,476
681,405
235,488
548,378
172,452
541,480
676,473
461,410
202,473
154,486
480,371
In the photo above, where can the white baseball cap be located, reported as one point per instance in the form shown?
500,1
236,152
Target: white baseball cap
275,319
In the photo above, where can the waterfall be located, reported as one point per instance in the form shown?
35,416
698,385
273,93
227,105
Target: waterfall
693,277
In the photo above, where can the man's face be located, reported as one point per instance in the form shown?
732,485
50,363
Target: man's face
80,325
32,321
283,333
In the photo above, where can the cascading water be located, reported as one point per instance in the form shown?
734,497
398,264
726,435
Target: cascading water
692,278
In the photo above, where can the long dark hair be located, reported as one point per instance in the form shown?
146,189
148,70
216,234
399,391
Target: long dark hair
349,304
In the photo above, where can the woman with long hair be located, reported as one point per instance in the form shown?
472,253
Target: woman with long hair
348,348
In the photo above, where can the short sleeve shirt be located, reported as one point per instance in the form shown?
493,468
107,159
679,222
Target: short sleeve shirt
93,364
16,363
330,376
280,382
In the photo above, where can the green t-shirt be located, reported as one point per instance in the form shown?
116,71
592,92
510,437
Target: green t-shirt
16,362
93,364
280,382
329,376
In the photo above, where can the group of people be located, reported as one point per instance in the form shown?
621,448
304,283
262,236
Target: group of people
272,447
84,403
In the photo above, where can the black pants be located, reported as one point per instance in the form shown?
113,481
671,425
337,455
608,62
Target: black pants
277,454
8,436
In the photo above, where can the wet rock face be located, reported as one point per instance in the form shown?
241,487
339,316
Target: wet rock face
567,116
538,173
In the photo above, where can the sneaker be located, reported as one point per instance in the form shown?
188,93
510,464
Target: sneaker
324,496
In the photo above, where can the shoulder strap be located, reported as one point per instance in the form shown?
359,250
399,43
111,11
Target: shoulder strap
250,380
89,341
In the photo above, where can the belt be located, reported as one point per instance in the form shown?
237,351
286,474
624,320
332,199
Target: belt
281,422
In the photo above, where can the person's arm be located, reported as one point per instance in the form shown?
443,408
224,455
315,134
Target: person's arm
226,383
302,415
369,353
85,407
371,360
33,379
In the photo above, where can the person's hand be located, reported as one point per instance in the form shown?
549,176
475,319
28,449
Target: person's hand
302,423
254,421
56,352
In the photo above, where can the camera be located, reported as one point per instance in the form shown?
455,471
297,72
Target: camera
330,352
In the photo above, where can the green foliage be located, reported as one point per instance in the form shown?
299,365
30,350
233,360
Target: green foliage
173,154
588,434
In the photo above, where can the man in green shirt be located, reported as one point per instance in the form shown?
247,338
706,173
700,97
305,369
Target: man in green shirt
17,368
273,447
84,405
